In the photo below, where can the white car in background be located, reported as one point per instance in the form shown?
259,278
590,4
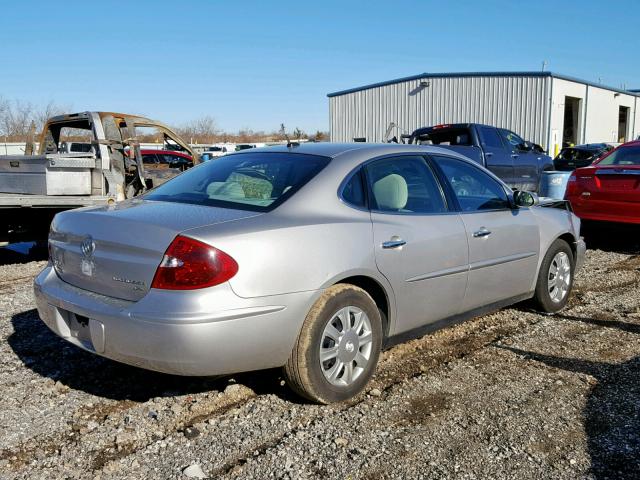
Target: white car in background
216,151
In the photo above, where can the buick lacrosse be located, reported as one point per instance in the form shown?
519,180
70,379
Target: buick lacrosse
313,258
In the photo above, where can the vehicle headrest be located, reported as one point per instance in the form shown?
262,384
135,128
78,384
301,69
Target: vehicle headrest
391,192
462,139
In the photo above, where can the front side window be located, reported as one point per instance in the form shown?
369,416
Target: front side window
512,139
179,160
623,156
404,185
474,189
252,181
149,159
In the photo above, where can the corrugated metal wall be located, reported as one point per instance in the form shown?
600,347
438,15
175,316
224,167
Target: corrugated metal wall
518,103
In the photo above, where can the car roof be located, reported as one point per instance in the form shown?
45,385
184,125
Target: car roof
168,152
333,150
588,146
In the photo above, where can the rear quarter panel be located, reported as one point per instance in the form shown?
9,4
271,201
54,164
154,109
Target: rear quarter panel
279,254
554,223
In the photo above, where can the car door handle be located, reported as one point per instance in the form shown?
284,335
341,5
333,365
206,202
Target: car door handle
393,243
483,232
514,155
488,154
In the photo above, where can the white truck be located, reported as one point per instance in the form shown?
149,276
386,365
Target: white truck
33,188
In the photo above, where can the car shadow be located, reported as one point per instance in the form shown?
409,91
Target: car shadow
50,356
611,237
612,412
24,252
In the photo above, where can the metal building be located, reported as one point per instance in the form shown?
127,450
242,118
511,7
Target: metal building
543,107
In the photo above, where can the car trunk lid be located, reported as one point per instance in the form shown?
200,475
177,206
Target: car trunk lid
620,180
116,250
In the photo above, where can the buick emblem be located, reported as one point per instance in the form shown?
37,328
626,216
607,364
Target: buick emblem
88,246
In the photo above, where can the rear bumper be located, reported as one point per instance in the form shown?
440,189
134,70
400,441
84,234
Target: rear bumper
607,210
171,332
596,217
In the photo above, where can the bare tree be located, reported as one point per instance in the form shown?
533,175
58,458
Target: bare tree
320,136
51,109
201,130
299,134
17,118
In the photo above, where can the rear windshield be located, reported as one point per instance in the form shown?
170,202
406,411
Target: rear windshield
623,156
573,154
81,147
251,181
446,136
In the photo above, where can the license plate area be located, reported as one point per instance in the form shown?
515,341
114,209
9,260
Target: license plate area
619,183
80,329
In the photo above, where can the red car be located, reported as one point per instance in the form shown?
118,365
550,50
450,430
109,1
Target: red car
166,159
609,189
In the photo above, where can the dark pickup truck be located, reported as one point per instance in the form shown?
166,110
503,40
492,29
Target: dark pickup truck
517,162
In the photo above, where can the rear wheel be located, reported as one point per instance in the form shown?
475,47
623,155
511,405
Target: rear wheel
555,279
338,347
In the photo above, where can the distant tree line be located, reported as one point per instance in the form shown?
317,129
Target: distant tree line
18,120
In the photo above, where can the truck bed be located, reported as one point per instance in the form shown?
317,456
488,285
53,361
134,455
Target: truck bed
17,200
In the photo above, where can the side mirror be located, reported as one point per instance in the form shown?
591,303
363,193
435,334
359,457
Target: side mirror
525,199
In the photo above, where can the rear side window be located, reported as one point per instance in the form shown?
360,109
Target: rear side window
353,191
623,156
252,181
404,185
474,189
490,137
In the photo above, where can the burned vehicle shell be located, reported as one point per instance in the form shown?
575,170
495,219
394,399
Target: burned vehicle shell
83,159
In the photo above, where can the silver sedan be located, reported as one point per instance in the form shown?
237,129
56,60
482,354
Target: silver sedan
313,258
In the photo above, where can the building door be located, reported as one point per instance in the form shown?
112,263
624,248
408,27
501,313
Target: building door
623,122
571,127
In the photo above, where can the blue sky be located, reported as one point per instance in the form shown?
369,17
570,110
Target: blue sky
257,64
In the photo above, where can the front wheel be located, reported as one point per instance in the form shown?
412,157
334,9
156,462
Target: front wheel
337,350
555,278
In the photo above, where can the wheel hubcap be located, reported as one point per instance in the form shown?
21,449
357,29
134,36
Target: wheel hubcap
559,277
345,346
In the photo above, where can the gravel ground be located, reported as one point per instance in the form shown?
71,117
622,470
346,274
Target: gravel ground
510,395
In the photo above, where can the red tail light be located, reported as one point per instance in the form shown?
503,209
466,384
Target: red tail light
189,264
572,185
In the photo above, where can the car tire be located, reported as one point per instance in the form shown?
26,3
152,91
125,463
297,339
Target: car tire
555,279
354,343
